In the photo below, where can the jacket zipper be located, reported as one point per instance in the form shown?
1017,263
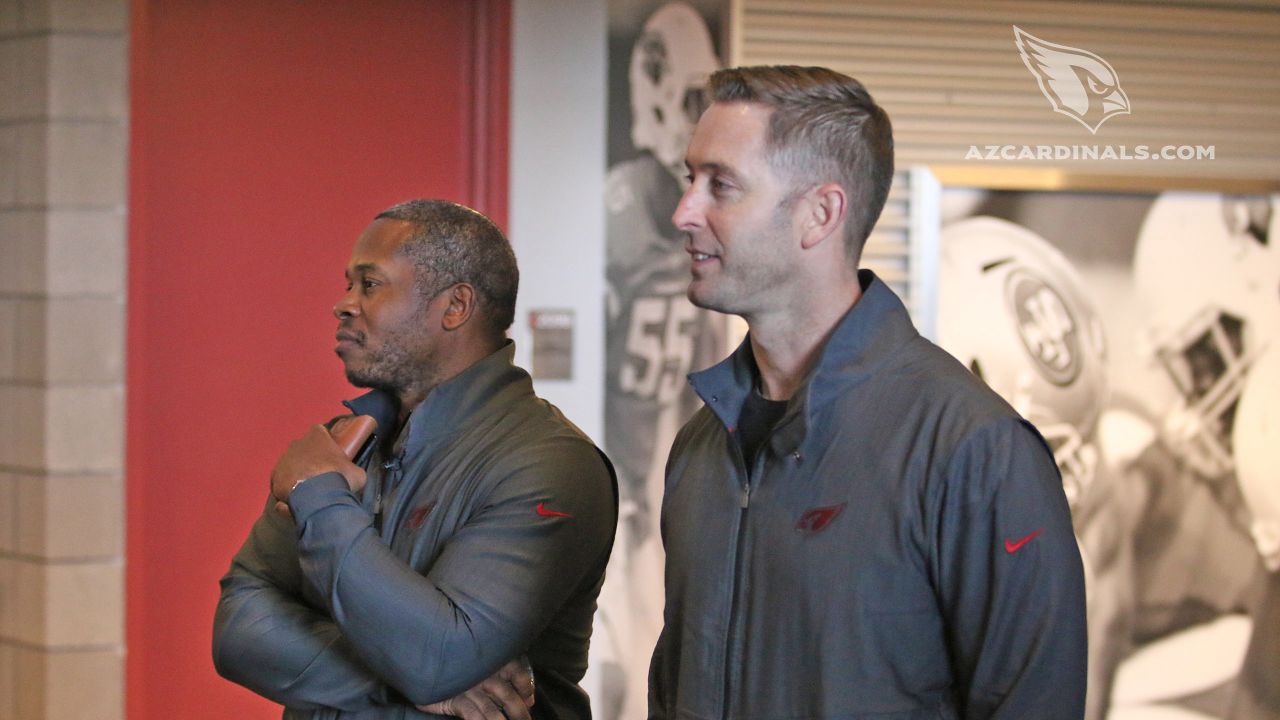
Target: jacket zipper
744,505
392,472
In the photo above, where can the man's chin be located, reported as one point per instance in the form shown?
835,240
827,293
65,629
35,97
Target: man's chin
362,380
703,298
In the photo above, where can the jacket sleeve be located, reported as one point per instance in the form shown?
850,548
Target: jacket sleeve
545,523
270,639
1011,583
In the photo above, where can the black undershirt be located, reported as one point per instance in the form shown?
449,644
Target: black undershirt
759,415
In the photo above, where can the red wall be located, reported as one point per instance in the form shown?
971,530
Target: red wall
265,135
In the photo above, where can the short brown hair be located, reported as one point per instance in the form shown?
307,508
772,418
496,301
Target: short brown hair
824,128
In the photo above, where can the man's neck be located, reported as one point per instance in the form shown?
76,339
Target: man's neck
786,345
412,396
461,357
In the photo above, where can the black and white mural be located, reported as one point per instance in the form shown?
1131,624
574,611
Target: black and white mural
1141,334
660,57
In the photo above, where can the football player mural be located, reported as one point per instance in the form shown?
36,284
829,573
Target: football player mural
1213,305
1206,341
1138,342
654,336
1255,437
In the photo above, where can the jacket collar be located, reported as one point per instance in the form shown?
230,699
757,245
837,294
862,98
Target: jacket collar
869,334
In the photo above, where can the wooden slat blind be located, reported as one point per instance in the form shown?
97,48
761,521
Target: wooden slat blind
950,75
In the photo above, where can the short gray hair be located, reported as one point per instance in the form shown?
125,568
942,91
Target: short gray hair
452,243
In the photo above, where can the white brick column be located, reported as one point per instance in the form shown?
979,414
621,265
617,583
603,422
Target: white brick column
63,151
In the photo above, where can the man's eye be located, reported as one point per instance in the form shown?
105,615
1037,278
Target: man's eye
367,285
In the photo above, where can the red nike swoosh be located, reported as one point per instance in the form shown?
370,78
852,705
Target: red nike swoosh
1012,547
543,511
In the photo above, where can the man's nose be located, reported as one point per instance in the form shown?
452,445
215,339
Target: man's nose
688,214
346,306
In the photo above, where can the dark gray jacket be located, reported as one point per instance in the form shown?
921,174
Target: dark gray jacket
486,538
903,550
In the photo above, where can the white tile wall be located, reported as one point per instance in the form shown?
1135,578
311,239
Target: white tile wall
85,77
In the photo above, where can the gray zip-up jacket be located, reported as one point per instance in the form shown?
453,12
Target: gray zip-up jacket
485,537
903,548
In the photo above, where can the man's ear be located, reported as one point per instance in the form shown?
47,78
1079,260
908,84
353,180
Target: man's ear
462,305
826,208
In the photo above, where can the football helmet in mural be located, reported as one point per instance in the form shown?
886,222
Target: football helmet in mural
1014,311
670,64
1208,274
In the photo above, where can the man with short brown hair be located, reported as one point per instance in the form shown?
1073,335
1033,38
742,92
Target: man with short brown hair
855,525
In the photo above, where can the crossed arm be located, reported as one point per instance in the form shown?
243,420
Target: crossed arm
323,614
299,657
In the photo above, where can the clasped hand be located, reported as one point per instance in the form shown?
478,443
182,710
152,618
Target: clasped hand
315,453
505,695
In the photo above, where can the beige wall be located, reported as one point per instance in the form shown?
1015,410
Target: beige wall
63,148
